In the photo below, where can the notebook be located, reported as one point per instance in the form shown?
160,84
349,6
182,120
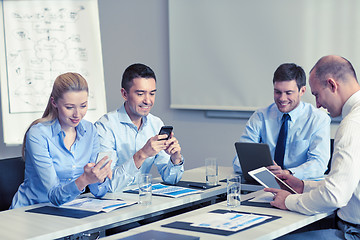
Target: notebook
252,156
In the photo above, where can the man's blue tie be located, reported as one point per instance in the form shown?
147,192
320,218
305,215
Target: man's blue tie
281,142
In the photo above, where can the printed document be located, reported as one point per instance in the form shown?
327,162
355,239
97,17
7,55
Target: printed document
231,221
97,205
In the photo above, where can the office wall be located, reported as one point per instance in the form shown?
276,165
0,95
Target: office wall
241,41
137,31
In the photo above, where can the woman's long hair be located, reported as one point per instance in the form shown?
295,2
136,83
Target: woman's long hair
63,83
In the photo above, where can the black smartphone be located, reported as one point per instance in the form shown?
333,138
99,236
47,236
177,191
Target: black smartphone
166,130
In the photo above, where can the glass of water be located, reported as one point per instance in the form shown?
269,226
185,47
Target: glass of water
233,190
211,171
145,189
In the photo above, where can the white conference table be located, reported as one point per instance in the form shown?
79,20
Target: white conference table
288,222
18,224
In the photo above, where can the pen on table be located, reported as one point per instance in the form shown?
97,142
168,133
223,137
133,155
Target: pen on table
197,186
115,205
119,199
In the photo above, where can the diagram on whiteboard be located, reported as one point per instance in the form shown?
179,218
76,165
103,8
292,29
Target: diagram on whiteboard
42,41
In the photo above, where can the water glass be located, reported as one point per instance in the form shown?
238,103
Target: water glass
233,190
145,189
211,171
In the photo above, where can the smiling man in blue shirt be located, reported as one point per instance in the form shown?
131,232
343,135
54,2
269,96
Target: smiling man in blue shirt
131,133
307,150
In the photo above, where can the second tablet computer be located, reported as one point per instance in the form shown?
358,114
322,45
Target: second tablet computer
266,178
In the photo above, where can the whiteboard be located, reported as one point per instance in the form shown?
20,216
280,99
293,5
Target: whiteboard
39,40
223,53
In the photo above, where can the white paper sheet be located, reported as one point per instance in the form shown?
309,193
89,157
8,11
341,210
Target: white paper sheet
171,191
97,205
231,221
264,197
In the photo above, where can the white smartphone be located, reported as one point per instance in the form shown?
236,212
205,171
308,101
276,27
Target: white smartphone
269,180
101,155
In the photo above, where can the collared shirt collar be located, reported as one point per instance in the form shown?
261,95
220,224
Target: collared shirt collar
56,128
350,103
124,117
294,114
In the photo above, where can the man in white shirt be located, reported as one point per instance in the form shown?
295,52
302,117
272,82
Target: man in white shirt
333,83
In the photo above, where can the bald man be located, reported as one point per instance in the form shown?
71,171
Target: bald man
333,83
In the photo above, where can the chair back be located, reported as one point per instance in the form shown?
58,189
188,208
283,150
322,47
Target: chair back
12,172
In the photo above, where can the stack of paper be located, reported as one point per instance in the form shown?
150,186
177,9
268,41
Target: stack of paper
172,191
97,205
169,190
231,221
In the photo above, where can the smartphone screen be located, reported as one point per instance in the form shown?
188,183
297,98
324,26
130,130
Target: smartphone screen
101,155
166,130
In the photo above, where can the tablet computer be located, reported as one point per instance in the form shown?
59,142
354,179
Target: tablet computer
269,180
252,156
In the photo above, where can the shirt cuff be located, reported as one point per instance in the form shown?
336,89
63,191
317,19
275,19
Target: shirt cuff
296,173
291,201
132,167
100,189
309,185
179,164
130,172
73,190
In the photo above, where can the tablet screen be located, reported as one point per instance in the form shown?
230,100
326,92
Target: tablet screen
269,179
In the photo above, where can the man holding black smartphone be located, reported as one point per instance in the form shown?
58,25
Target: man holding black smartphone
133,133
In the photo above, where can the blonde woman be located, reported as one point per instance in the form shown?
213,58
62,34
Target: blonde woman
60,149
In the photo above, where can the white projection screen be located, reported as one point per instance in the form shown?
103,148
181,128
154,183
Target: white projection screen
223,53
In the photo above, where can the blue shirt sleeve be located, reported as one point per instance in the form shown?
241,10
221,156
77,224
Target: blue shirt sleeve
252,133
98,189
169,172
38,153
318,153
124,173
